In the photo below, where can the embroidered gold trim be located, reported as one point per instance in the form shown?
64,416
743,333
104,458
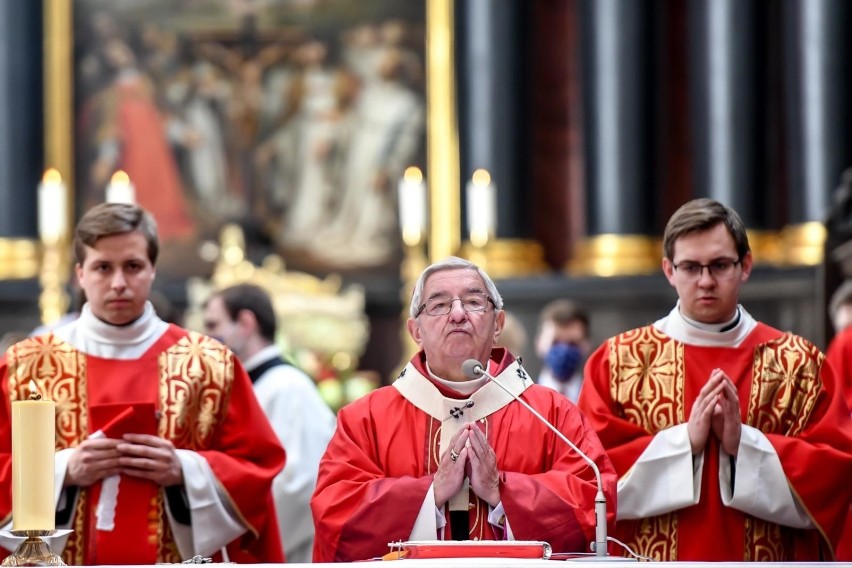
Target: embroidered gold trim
646,370
785,385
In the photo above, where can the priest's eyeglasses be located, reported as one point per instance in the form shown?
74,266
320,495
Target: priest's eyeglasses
441,305
720,269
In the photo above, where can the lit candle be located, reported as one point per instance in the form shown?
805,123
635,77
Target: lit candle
52,207
481,208
412,206
33,451
120,190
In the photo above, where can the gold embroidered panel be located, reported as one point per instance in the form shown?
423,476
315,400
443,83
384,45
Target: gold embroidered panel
646,369
59,371
656,537
785,386
765,542
197,378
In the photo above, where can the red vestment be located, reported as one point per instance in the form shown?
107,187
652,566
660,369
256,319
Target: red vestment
839,356
204,402
379,466
643,382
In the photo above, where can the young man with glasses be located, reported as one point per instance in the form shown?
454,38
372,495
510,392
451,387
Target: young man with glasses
441,455
727,436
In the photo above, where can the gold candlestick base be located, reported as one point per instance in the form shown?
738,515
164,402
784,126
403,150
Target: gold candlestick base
34,551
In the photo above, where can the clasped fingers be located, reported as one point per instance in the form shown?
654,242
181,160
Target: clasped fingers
91,461
151,458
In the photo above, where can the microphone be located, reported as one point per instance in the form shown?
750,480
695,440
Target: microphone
473,369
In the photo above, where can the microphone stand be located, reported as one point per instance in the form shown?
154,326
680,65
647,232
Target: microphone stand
473,368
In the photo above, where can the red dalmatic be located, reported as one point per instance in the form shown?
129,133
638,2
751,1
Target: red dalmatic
186,389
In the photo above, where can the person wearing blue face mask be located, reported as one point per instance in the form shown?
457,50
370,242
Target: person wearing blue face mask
562,344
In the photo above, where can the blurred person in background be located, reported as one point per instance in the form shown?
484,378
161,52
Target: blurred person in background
562,344
243,318
514,336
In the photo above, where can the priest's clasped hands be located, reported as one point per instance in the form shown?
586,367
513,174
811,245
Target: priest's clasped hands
140,455
716,408
475,460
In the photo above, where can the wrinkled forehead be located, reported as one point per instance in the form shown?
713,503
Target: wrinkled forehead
453,282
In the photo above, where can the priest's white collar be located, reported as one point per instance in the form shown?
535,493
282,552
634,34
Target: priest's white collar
96,337
727,334
464,387
262,356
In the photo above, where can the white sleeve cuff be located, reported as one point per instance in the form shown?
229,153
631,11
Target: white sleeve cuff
666,477
429,519
497,517
760,486
214,525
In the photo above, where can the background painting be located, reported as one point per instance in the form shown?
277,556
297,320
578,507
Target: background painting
295,118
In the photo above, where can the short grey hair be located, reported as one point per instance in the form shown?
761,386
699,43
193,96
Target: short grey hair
453,263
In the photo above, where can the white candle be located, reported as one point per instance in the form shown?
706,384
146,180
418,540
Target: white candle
52,207
481,208
33,451
412,206
120,190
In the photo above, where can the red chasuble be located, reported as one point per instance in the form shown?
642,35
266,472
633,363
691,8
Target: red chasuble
379,465
839,356
642,382
202,401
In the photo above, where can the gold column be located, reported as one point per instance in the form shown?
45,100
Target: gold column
442,167
53,301
442,136
58,86
58,149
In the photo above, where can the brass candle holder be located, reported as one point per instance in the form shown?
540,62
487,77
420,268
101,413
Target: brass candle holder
34,551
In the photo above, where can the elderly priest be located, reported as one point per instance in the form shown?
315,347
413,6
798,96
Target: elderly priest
437,455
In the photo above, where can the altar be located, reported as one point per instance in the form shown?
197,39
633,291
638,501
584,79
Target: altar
526,562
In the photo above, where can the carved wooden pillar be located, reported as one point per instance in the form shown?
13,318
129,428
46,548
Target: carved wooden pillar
557,141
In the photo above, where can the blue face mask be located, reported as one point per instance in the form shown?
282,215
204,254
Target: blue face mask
563,359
